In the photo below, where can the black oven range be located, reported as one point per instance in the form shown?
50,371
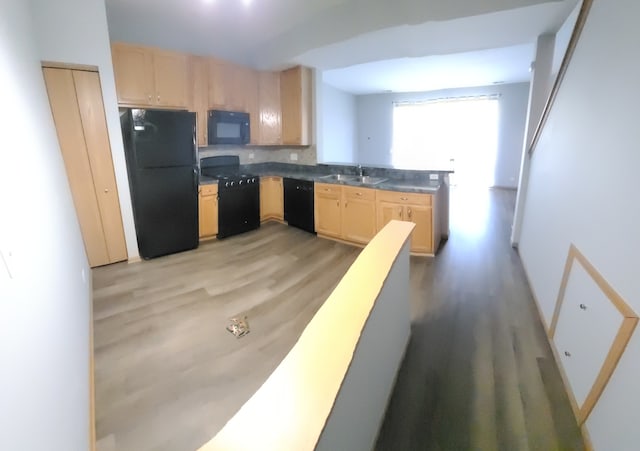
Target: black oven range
238,195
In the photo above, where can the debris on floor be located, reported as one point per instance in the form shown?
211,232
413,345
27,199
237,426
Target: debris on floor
239,327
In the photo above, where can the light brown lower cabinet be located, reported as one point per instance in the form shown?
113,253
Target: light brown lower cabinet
327,209
271,198
76,102
413,207
358,214
208,211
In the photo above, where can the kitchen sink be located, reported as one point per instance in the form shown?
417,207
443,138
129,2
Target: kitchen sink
364,179
367,179
338,177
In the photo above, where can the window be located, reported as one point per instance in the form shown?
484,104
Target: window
459,134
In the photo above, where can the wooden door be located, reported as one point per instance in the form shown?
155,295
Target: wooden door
422,238
200,101
133,71
78,111
171,77
328,210
208,211
270,123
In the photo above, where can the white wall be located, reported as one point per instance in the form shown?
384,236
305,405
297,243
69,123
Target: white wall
75,31
338,126
583,189
563,36
375,125
45,303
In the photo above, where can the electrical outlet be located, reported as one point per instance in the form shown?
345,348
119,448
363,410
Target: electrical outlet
293,157
252,156
433,176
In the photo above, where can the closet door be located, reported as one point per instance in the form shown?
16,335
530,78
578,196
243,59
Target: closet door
78,111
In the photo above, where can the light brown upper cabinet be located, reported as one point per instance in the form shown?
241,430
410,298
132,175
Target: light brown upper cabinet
270,123
249,89
150,77
295,98
75,97
200,92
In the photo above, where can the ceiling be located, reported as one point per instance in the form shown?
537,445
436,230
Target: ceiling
361,45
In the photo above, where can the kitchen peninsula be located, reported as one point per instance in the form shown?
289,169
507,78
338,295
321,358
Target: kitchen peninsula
352,208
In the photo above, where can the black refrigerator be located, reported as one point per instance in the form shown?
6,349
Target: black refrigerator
161,153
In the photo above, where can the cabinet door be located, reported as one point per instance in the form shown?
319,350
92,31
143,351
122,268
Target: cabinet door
358,214
218,84
328,211
295,97
250,90
133,71
208,211
171,79
422,238
270,124
358,220
386,211
271,200
200,101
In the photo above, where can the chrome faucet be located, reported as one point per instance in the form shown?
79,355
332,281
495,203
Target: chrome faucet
360,171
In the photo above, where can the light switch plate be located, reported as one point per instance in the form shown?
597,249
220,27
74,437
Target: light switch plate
433,176
293,157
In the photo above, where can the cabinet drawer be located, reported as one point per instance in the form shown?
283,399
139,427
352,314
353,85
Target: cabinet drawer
208,190
404,198
328,189
272,179
353,192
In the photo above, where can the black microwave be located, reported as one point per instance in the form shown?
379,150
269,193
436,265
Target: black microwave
228,127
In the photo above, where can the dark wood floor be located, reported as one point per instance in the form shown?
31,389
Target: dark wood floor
478,372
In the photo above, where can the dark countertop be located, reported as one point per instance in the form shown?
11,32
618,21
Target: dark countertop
411,186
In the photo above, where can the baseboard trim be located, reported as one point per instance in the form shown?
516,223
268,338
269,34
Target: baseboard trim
135,259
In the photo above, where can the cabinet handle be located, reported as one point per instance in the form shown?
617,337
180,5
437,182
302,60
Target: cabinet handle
404,198
409,212
583,307
346,203
358,194
158,97
106,190
338,203
149,97
567,353
327,189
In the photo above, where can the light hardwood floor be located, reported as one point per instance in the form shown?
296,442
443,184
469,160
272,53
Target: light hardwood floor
168,375
478,373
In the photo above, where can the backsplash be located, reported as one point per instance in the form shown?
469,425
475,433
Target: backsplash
305,155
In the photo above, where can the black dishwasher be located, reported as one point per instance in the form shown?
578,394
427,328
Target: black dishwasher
298,204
